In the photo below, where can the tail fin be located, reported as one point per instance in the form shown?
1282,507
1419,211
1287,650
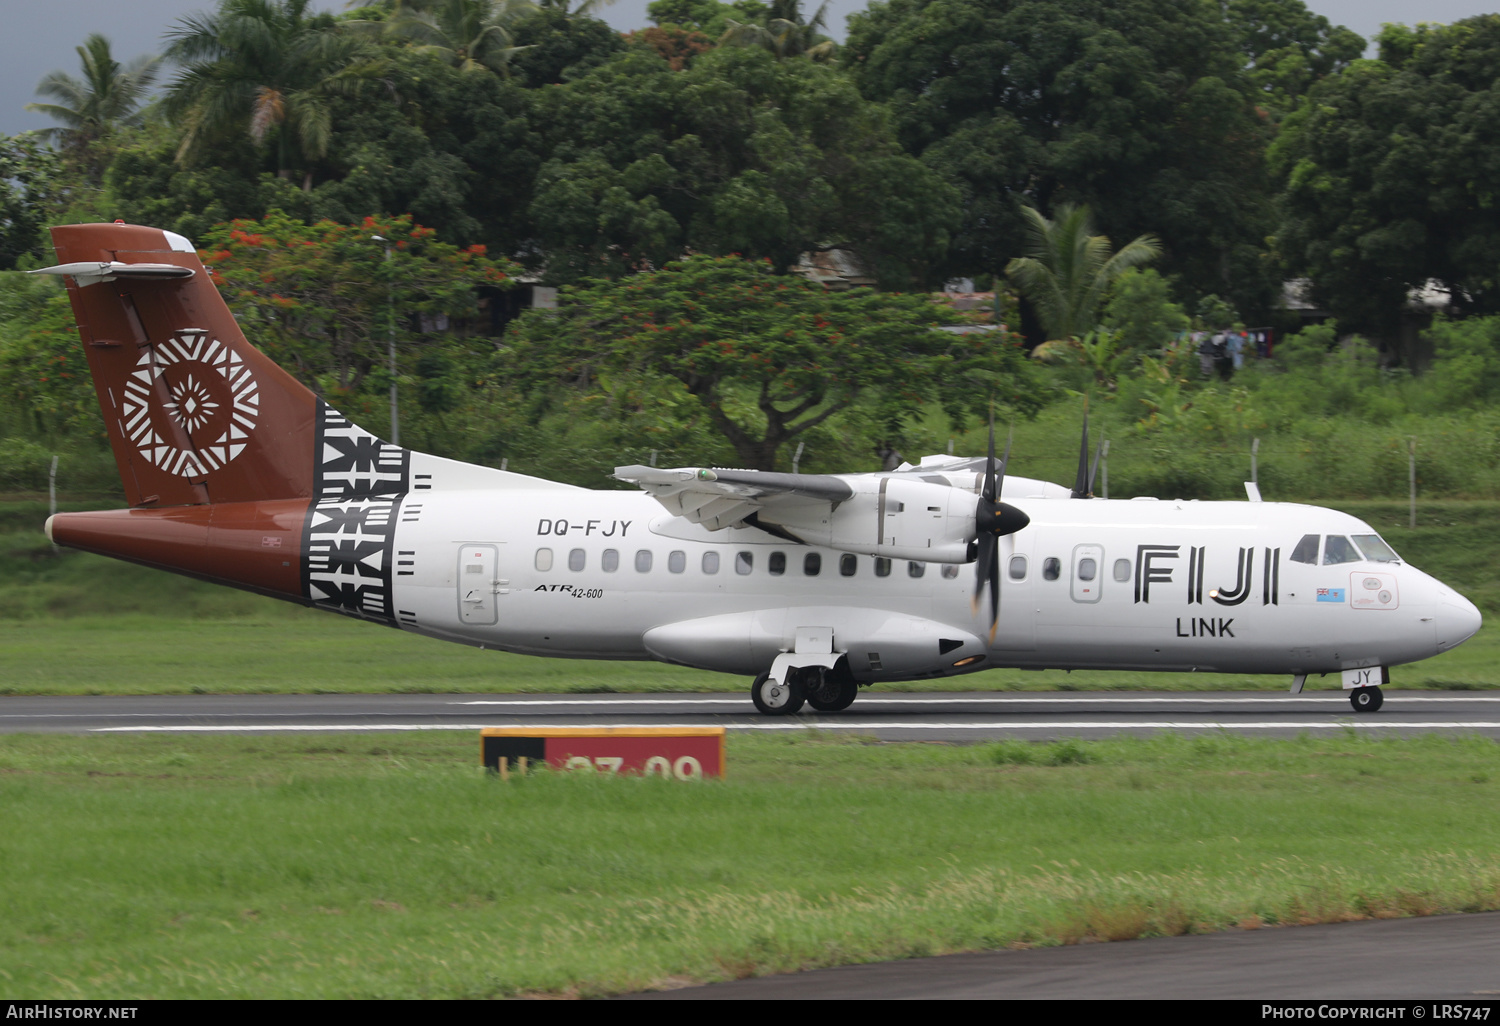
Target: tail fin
195,414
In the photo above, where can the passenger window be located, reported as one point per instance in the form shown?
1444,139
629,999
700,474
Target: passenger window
1306,550
1018,568
882,567
1375,548
544,559
1338,550
776,564
576,560
643,561
848,564
812,564
1122,569
676,561
1087,569
950,571
744,562
609,562
710,562
1051,568
916,569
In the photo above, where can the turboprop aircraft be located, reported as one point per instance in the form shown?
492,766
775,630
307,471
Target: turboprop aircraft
812,584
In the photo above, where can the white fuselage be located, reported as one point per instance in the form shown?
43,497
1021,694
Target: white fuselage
1176,585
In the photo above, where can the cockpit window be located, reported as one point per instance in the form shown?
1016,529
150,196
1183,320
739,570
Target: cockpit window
1375,548
1338,550
1306,550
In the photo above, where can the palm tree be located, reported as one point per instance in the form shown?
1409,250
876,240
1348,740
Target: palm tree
108,96
473,35
267,67
1069,269
785,34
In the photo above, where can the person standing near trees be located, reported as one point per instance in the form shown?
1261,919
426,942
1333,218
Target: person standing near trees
1206,341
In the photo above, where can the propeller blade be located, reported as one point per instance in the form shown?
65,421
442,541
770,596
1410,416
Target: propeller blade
994,590
986,544
1081,483
1094,471
991,488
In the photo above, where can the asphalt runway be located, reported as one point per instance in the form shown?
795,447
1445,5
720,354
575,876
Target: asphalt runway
1442,958
891,716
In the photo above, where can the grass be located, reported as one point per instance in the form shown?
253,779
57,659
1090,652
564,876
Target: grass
187,866
76,623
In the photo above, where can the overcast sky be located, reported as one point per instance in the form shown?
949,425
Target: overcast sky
43,36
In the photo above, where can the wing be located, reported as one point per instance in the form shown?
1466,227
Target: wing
728,498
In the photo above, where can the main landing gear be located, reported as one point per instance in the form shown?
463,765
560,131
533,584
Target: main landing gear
825,690
1366,699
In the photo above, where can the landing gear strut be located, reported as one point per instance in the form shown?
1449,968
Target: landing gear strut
1367,699
775,699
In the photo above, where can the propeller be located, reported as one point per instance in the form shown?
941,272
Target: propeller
993,520
1083,485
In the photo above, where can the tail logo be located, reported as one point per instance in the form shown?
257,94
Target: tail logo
205,389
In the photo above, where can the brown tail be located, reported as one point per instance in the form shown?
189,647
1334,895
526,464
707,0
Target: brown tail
194,413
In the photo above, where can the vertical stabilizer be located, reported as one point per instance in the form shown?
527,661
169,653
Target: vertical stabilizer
194,413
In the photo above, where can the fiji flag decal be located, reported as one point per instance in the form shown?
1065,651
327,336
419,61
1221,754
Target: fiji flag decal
1330,594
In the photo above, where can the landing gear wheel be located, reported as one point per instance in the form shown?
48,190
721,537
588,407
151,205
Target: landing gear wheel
1366,700
774,699
832,694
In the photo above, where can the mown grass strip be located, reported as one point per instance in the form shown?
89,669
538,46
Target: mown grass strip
389,866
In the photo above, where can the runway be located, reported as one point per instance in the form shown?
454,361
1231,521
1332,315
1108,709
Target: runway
891,716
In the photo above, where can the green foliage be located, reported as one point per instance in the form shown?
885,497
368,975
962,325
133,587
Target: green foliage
1141,312
1289,48
49,394
108,96
762,357
29,180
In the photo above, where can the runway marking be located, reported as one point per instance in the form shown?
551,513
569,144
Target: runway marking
918,700
859,726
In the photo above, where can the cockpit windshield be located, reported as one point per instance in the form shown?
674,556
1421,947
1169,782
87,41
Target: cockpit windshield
1336,549
1375,548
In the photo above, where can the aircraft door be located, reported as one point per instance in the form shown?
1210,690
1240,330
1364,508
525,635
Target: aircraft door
1088,572
479,583
1018,573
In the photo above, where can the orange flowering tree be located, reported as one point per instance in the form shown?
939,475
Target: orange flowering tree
766,357
323,299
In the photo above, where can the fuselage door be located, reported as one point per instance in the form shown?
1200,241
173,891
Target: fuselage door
1088,572
478,584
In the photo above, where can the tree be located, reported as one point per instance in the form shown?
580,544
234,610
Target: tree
30,177
1068,269
781,31
1389,175
472,35
764,357
266,67
107,97
320,298
1141,109
1289,48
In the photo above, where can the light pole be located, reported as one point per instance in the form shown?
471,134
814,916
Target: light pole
391,335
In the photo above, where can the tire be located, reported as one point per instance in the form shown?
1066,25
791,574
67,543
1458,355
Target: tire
1366,700
835,694
777,699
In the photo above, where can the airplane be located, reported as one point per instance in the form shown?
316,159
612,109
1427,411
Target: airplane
813,585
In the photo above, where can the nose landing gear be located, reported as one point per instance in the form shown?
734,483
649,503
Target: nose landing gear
1366,699
826,690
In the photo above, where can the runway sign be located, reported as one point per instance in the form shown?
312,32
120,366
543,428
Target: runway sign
677,753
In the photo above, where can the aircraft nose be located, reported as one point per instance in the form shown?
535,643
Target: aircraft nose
1458,620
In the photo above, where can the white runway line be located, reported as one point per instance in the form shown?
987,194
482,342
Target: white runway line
866,700
866,727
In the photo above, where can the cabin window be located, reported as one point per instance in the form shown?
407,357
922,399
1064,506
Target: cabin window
1375,548
1306,550
882,567
1087,569
776,564
950,571
609,562
710,562
1122,570
1018,568
676,561
812,564
744,562
643,561
577,559
914,569
848,564
544,559
1338,550
1051,568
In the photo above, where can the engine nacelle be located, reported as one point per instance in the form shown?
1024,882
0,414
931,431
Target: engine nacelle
896,517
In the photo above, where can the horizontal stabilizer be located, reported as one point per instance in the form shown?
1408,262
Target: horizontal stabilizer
92,272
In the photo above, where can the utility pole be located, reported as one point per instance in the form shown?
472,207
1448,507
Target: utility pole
1104,466
1254,451
390,296
1411,474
